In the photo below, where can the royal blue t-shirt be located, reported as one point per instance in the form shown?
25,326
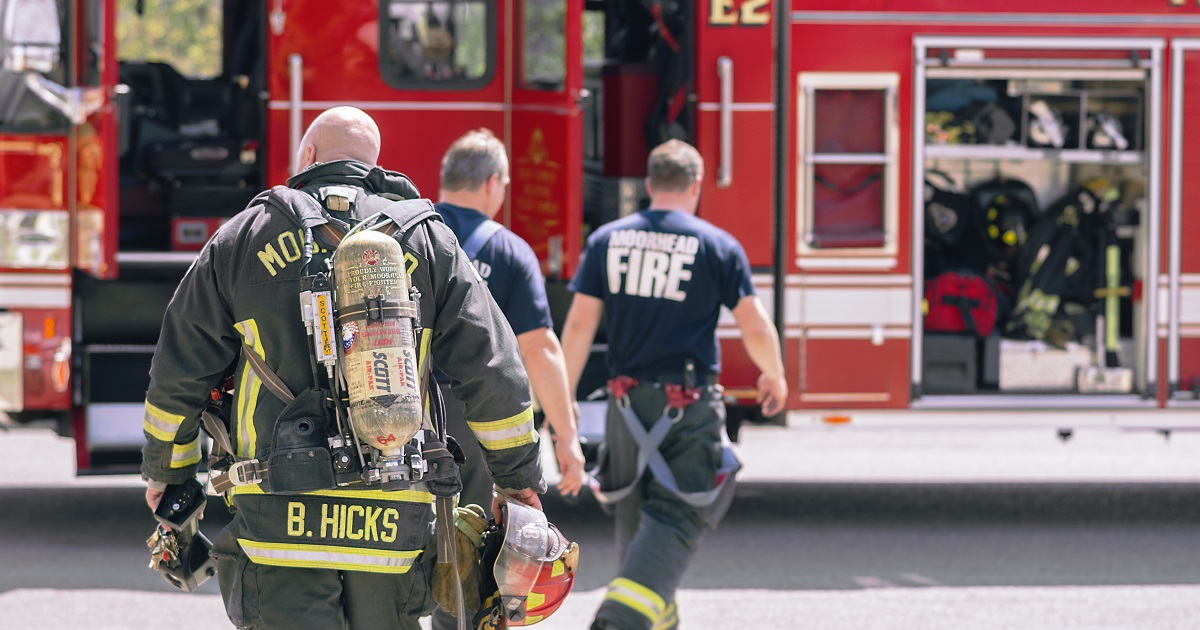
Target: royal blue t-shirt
510,268
663,276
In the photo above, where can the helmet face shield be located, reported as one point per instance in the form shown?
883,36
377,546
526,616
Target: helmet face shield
529,541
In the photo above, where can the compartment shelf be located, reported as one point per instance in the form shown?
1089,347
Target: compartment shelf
1013,152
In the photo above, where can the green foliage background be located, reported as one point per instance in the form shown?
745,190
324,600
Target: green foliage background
184,33
187,34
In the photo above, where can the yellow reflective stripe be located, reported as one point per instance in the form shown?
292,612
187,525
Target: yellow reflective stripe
160,424
533,600
248,392
507,433
426,338
670,618
328,557
637,597
404,496
184,455
557,568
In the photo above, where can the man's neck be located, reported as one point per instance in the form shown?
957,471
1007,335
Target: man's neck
464,199
672,202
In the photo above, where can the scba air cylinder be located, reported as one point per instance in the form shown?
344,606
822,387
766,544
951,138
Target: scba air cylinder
376,321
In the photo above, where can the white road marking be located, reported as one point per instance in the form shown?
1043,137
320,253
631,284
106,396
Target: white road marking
919,579
870,581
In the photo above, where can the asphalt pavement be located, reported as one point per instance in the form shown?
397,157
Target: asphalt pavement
830,529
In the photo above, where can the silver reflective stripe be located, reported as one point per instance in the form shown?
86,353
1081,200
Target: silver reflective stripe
328,557
637,597
248,392
499,434
184,455
161,424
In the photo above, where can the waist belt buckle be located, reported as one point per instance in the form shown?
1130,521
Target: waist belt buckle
620,386
678,398
246,472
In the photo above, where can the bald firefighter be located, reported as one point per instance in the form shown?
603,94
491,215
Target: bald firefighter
307,547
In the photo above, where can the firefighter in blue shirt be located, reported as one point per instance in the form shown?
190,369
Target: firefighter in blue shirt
352,556
474,177
661,276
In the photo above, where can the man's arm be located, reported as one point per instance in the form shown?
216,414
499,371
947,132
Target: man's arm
548,375
474,345
582,321
762,343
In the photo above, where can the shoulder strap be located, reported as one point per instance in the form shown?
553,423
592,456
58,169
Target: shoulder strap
407,213
480,237
303,210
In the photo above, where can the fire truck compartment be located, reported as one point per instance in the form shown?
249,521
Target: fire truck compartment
1035,175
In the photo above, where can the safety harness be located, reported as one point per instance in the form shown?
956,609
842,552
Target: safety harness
679,397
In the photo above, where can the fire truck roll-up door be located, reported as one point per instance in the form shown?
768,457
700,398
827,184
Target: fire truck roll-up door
1036,162
1183,278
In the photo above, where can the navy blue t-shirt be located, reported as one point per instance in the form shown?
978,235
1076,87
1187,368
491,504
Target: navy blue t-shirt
510,268
663,276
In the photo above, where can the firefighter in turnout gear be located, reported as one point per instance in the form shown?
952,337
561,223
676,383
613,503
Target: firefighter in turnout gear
313,544
661,276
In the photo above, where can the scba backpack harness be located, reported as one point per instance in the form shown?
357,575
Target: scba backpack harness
411,448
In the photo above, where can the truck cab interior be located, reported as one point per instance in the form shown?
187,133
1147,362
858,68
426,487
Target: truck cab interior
189,145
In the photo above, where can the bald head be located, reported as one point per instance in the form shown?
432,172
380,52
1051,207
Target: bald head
340,133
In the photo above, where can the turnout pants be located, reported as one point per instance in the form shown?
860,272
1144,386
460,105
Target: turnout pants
657,532
262,597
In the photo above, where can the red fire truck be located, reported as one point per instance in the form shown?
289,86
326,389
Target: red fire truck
844,143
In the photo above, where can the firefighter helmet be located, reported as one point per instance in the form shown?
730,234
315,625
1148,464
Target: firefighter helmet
1005,221
553,584
528,569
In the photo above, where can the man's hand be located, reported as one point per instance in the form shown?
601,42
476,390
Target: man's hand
153,497
772,394
526,496
570,464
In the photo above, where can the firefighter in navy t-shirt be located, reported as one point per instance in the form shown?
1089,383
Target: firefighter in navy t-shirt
474,177
662,276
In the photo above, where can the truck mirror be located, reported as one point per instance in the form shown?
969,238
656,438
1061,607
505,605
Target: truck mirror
31,36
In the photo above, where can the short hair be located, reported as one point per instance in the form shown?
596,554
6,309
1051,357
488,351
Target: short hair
673,166
472,160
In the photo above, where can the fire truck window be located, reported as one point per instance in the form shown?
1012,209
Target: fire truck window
851,121
544,53
442,44
848,206
848,163
20,108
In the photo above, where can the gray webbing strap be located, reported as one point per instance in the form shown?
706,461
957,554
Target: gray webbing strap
216,429
480,237
268,376
244,471
650,457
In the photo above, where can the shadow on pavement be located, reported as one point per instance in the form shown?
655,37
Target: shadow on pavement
777,536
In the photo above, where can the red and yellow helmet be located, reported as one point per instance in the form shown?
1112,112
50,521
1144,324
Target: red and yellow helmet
532,569
553,584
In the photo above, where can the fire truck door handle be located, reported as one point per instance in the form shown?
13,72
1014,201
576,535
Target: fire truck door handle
725,168
295,103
